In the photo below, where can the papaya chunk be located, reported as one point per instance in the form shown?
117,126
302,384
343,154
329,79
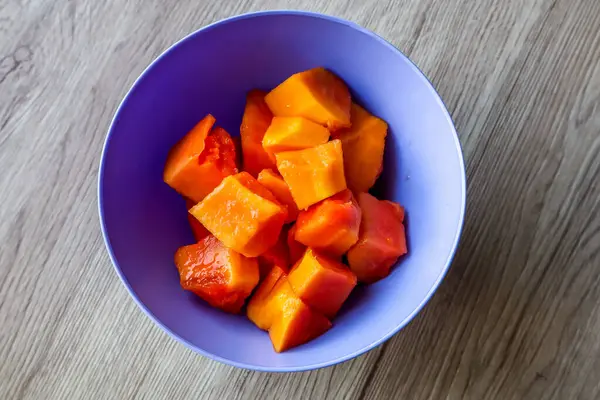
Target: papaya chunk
183,172
330,226
316,94
220,276
258,309
293,322
217,161
322,282
255,122
275,183
313,174
243,214
381,239
363,145
293,133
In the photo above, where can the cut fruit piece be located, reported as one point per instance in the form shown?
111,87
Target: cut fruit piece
217,161
293,133
381,240
363,145
316,94
243,214
275,183
255,122
182,169
322,282
313,174
293,323
330,226
252,184
199,231
278,255
296,248
258,309
220,276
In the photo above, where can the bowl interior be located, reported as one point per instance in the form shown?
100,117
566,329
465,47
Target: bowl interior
144,221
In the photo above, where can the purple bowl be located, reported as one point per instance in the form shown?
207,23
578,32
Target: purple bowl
144,221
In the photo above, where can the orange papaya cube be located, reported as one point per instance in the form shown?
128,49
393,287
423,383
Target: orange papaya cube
278,255
381,239
322,282
293,321
313,174
242,214
258,311
330,226
199,231
316,94
275,183
296,249
293,133
255,122
182,170
255,186
217,161
220,276
363,145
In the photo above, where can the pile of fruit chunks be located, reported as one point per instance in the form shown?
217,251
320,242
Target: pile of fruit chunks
287,221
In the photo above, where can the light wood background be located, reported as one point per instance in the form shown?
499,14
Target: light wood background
518,316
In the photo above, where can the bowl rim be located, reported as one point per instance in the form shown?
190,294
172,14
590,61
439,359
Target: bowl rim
306,367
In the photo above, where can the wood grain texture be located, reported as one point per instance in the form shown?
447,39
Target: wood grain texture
518,316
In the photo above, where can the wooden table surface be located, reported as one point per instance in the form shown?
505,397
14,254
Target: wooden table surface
517,317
